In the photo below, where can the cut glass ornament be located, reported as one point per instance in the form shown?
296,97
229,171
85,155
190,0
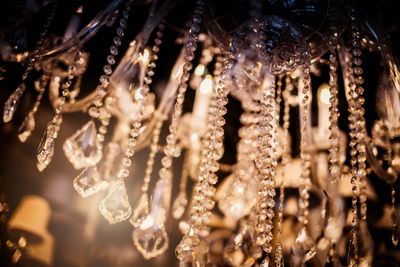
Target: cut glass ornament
88,182
150,238
26,128
83,149
12,102
115,206
304,246
46,148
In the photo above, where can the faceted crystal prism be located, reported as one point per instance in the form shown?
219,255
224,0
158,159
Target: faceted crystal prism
178,208
305,246
12,102
83,149
46,148
141,211
26,128
115,206
88,182
150,238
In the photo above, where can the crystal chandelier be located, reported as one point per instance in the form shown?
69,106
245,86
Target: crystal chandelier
290,136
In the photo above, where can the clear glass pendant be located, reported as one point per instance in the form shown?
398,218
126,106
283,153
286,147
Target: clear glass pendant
141,211
26,128
83,149
304,247
46,148
88,182
150,238
115,206
12,102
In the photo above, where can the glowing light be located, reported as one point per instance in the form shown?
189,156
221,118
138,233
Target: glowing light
324,94
146,56
199,71
206,85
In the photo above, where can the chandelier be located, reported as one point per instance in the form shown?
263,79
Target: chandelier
293,67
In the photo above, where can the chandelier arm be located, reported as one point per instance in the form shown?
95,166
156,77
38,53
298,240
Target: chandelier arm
86,33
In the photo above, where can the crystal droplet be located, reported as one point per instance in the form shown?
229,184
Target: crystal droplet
83,149
46,148
305,244
150,238
12,102
26,128
178,208
115,206
141,211
88,182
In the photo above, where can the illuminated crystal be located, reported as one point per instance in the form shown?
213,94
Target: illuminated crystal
12,102
83,149
178,208
46,148
88,182
26,128
115,206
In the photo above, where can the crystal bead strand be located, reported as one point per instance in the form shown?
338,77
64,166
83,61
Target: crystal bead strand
334,170
304,153
395,226
28,124
12,102
203,192
358,133
46,147
99,111
359,111
178,208
190,47
142,208
266,163
279,262
305,246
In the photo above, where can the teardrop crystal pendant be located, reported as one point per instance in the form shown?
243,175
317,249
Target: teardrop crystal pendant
88,182
178,208
46,148
266,262
115,206
83,149
305,246
141,211
150,238
12,102
26,128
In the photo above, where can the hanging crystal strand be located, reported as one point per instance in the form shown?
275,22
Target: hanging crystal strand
358,133
193,247
279,262
179,206
28,124
305,246
265,163
12,102
151,238
46,147
334,170
83,152
142,208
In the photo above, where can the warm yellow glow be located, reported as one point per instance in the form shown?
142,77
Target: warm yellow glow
146,56
199,71
324,93
206,85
